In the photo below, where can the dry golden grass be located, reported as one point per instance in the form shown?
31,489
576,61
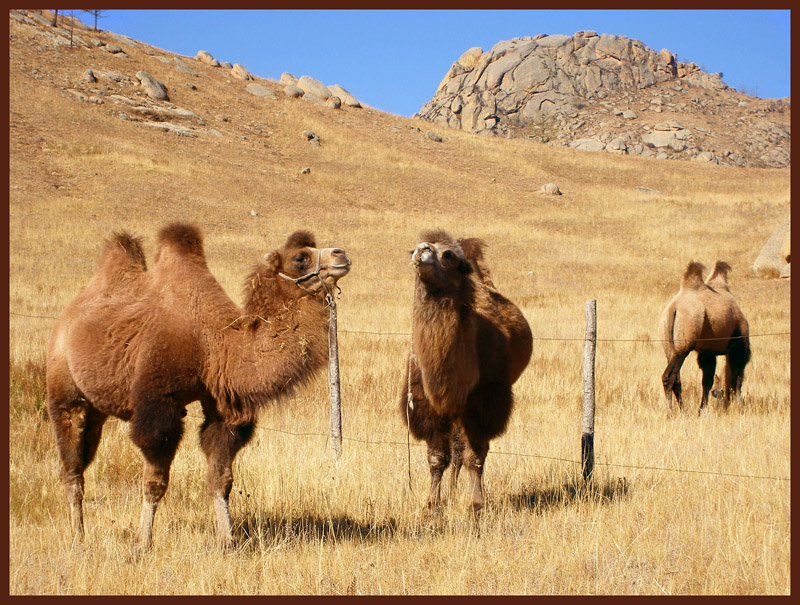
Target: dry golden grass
681,505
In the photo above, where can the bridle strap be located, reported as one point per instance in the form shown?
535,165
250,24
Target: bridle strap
298,280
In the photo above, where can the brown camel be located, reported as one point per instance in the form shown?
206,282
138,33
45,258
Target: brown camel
141,345
704,317
469,345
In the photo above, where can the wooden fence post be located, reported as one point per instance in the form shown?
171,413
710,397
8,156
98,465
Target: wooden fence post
587,427
333,377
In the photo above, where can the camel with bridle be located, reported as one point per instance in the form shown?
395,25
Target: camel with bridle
141,345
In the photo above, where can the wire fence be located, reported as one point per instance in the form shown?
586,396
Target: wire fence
523,455
517,454
642,340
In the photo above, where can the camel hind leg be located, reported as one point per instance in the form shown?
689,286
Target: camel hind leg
671,379
78,427
708,364
220,443
737,357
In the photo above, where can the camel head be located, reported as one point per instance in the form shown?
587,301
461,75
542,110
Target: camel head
312,269
440,262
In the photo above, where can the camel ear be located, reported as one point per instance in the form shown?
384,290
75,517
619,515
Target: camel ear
273,260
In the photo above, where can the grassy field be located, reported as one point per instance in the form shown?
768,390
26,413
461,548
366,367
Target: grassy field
680,505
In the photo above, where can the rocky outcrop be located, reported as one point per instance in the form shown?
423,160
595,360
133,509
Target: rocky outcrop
605,93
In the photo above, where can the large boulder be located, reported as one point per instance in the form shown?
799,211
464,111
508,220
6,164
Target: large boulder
240,72
152,87
347,98
309,84
772,259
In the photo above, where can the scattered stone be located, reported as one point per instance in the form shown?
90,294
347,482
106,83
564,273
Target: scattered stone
311,137
333,102
182,131
588,145
88,76
113,49
347,98
293,92
550,189
240,72
312,98
305,171
260,90
433,136
253,213
706,156
226,65
288,79
181,66
206,57
152,87
648,190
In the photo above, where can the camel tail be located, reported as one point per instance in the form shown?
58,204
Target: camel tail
693,276
720,272
667,329
183,238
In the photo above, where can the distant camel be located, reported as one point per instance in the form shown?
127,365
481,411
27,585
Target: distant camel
141,345
469,345
704,317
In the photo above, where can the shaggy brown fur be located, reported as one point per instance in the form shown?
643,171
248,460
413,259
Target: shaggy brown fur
469,345
141,345
704,317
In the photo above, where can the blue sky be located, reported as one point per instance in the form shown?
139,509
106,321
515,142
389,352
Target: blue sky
393,60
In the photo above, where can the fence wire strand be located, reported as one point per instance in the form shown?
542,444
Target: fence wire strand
522,455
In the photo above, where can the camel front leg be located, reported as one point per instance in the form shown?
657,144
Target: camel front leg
220,443
155,479
476,458
156,428
438,461
457,455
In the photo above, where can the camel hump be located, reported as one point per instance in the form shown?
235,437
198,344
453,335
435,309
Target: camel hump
473,251
123,250
182,238
301,239
693,276
719,273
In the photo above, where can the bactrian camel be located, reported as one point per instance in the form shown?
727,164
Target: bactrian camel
704,317
141,345
469,345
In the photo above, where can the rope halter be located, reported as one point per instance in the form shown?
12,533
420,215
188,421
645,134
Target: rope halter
298,281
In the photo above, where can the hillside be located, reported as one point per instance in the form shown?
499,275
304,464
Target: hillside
673,508
610,93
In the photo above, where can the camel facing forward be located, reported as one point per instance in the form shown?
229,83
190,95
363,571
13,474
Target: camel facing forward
469,345
704,317
141,345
